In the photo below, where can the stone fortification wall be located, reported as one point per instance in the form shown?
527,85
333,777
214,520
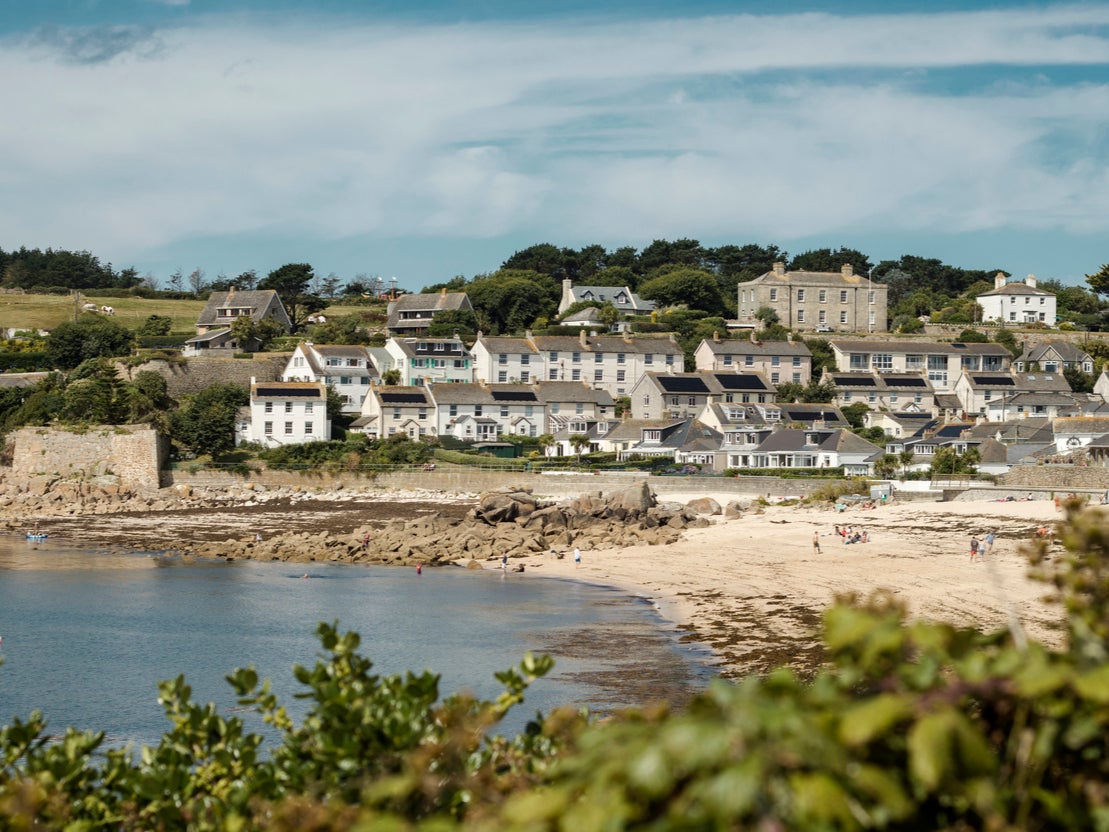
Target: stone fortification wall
191,375
472,481
1057,477
132,454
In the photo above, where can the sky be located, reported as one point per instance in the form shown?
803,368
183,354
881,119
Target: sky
426,140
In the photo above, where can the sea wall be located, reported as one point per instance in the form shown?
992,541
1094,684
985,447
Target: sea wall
133,454
1058,477
474,481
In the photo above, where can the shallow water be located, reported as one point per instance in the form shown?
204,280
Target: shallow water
87,634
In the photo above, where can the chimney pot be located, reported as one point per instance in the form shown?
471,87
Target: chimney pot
847,270
780,269
716,336
1030,281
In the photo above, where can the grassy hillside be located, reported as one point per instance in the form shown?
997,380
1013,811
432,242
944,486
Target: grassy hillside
47,311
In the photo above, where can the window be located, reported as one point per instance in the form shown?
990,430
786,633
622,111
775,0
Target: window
309,407
822,295
870,296
575,375
477,409
422,413
843,317
288,407
552,374
800,295
692,401
620,375
620,358
598,375
774,379
525,360
575,357
669,361
553,356
453,410
893,397
823,317
555,407
504,411
308,428
440,347
269,407
675,401
502,358
748,361
800,316
797,378
598,358
843,296
439,363
727,361
859,361
288,428
529,410
268,428
525,376
882,361
396,412
579,408
460,364
649,358
796,361
776,361
502,376
773,295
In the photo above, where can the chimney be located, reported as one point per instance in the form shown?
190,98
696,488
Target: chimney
443,291
231,294
716,336
582,338
999,281
627,337
479,333
754,338
847,270
1030,281
779,269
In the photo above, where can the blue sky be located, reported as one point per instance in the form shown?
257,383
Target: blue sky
438,139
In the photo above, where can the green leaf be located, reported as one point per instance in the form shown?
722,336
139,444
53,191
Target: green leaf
862,723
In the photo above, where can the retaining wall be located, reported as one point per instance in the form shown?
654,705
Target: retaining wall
1058,477
470,481
132,454
192,375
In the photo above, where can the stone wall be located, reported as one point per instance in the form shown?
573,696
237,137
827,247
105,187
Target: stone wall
1057,477
191,375
474,481
133,455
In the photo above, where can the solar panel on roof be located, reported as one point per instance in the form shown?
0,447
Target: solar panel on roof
506,396
1001,381
959,346
294,392
854,381
403,398
739,381
907,382
676,384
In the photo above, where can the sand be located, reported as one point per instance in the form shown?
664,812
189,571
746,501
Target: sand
753,589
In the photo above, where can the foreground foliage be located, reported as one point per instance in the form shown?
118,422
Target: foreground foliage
912,726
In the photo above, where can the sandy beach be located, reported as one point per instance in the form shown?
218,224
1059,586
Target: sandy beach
754,588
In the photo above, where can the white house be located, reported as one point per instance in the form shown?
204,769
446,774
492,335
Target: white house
778,361
622,298
285,413
389,410
1017,302
506,360
347,370
430,360
976,391
941,363
479,412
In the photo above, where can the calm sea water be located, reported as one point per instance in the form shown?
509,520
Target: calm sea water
88,634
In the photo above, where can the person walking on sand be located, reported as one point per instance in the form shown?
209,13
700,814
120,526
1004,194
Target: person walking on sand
990,539
504,562
973,548
577,556
816,543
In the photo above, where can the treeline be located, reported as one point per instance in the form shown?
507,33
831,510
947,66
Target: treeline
35,269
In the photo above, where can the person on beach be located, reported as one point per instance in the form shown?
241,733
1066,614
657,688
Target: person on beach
990,539
816,543
504,562
577,556
419,569
973,548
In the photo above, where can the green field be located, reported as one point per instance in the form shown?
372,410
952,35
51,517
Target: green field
47,311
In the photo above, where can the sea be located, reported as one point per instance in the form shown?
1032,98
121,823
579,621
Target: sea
88,633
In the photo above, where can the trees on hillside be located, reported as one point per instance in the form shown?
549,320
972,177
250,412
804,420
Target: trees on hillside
205,423
826,260
689,287
90,336
293,283
510,301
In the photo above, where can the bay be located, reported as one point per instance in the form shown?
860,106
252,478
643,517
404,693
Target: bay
87,634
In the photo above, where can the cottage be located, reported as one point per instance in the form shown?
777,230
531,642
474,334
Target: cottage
413,314
213,327
625,301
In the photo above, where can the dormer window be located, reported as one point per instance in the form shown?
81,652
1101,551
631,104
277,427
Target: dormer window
652,435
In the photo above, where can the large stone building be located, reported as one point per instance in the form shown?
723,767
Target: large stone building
816,301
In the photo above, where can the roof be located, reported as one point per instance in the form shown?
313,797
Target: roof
1066,351
210,335
808,412
401,395
1081,424
496,344
607,344
745,346
803,278
430,301
339,350
288,390
918,347
21,379
744,382
621,297
1016,288
684,383
256,300
413,346
573,391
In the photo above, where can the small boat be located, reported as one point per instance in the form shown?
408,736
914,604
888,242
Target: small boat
37,535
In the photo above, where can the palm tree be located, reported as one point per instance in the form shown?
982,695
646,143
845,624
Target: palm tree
579,441
885,466
905,457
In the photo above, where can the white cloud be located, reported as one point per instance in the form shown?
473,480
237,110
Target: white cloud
128,140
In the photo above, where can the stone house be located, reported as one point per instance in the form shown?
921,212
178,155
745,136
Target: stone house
816,301
1054,357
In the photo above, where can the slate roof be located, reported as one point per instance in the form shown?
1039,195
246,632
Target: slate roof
257,300
573,391
287,390
497,344
744,346
415,346
398,395
1017,288
653,345
1065,350
430,302
917,347
21,379
621,297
